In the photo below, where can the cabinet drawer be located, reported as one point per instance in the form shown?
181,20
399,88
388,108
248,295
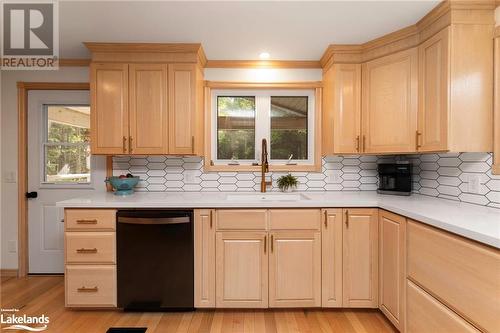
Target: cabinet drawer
291,219
90,219
90,286
426,314
90,247
463,274
242,219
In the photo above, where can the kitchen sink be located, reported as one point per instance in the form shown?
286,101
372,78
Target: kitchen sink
267,197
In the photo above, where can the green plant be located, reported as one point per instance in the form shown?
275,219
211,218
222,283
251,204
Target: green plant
287,182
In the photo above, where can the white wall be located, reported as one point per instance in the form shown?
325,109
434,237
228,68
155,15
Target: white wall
8,149
262,75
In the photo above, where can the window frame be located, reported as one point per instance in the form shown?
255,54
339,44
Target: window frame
311,90
45,143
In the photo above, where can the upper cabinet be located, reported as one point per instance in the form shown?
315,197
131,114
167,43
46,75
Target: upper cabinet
148,109
389,100
425,88
109,104
147,98
432,132
342,126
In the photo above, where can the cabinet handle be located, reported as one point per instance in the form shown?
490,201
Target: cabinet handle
192,144
124,144
417,136
265,243
357,144
347,218
272,243
364,143
211,214
130,144
87,290
84,250
93,221
326,219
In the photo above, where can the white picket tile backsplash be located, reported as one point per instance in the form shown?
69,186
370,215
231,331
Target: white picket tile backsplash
464,177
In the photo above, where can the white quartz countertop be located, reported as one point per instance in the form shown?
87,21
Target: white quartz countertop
475,222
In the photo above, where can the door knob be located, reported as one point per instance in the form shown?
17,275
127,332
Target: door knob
31,195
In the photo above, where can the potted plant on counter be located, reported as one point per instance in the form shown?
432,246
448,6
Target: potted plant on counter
287,183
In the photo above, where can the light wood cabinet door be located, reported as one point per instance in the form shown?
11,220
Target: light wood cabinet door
204,258
433,93
295,269
331,258
109,108
347,108
360,261
392,276
389,101
148,109
182,108
242,270
426,314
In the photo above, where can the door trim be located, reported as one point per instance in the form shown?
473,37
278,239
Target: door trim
22,186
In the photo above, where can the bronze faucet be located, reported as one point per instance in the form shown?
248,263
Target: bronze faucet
264,167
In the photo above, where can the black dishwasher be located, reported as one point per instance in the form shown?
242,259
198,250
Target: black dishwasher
155,260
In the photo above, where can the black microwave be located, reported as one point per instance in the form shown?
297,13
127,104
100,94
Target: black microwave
395,178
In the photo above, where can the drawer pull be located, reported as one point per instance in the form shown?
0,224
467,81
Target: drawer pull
326,219
87,290
93,221
84,250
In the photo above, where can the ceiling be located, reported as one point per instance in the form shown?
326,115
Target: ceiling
235,30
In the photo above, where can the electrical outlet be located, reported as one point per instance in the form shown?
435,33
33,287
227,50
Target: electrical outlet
473,184
10,177
12,246
189,177
334,176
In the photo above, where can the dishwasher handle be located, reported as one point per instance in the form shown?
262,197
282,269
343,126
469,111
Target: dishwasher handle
154,220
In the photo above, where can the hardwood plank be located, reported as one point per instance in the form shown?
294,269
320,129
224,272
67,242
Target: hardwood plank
36,295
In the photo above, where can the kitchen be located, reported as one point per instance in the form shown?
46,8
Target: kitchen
357,190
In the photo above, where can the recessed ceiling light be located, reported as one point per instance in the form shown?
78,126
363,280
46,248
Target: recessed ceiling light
264,55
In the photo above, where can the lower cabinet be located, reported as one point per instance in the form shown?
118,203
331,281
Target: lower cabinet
241,270
392,275
331,258
295,269
426,314
204,258
90,285
360,258
90,258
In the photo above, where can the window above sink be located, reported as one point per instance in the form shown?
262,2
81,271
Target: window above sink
288,118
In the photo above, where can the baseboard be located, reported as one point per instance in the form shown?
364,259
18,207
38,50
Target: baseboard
8,272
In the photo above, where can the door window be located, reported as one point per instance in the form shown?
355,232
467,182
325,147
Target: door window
66,144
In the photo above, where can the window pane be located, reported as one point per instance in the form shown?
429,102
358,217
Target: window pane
235,127
289,127
68,123
67,164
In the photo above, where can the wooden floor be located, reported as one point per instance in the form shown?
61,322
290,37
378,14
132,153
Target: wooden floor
38,295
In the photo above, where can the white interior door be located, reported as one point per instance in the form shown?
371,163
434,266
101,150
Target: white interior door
59,167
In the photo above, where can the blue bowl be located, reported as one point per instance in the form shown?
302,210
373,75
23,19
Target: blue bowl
123,186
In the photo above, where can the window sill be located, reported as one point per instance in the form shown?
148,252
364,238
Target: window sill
257,168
